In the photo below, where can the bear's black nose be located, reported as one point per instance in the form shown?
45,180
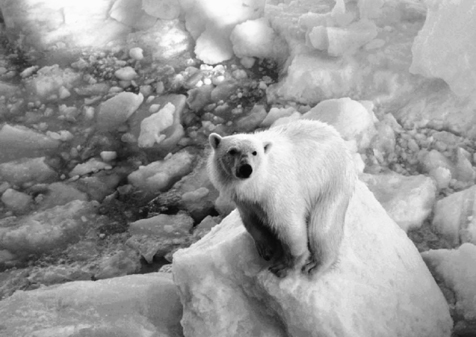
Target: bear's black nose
244,171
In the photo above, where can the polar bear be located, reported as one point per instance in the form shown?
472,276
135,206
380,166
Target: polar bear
292,185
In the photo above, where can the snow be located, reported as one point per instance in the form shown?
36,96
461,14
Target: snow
210,22
117,110
149,235
380,287
214,46
161,175
253,120
108,156
355,121
130,13
275,114
444,48
162,224
378,73
339,41
47,230
27,171
408,200
18,138
348,40
16,201
60,193
126,74
159,132
455,216
136,305
255,38
162,9
459,166
152,126
92,165
136,53
86,97
121,263
166,41
352,119
49,81
223,90
457,269
311,79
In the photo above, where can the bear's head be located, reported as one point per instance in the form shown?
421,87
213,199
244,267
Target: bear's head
239,156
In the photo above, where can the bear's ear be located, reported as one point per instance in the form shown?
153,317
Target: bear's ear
267,146
214,140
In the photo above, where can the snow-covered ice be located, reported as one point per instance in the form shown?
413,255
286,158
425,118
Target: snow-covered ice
153,127
136,305
161,175
255,38
18,141
455,217
48,230
408,200
18,202
86,96
354,121
457,269
92,165
444,48
149,236
49,81
27,171
117,110
380,287
211,22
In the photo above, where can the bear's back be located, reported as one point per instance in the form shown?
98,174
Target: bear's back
309,152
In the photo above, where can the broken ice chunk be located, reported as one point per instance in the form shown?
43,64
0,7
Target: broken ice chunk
152,127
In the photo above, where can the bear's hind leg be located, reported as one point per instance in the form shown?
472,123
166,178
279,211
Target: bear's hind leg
326,229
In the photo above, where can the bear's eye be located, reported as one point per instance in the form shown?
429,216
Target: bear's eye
254,153
232,152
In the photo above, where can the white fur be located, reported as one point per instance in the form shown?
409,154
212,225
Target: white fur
306,177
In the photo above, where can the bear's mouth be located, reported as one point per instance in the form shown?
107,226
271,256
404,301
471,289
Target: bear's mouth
244,171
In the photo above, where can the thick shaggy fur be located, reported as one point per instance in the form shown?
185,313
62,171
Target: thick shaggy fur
292,185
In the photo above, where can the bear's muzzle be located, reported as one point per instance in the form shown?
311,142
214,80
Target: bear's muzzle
244,170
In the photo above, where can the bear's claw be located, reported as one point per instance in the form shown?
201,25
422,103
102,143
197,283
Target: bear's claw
310,267
264,251
280,270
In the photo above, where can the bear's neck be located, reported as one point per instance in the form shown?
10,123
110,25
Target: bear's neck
248,191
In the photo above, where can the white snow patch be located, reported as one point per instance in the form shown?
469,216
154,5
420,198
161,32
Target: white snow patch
135,305
455,216
256,38
162,9
161,175
211,22
353,120
457,268
445,47
408,200
117,110
152,127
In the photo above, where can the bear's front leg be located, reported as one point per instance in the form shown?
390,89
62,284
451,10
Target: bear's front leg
294,251
282,263
265,240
